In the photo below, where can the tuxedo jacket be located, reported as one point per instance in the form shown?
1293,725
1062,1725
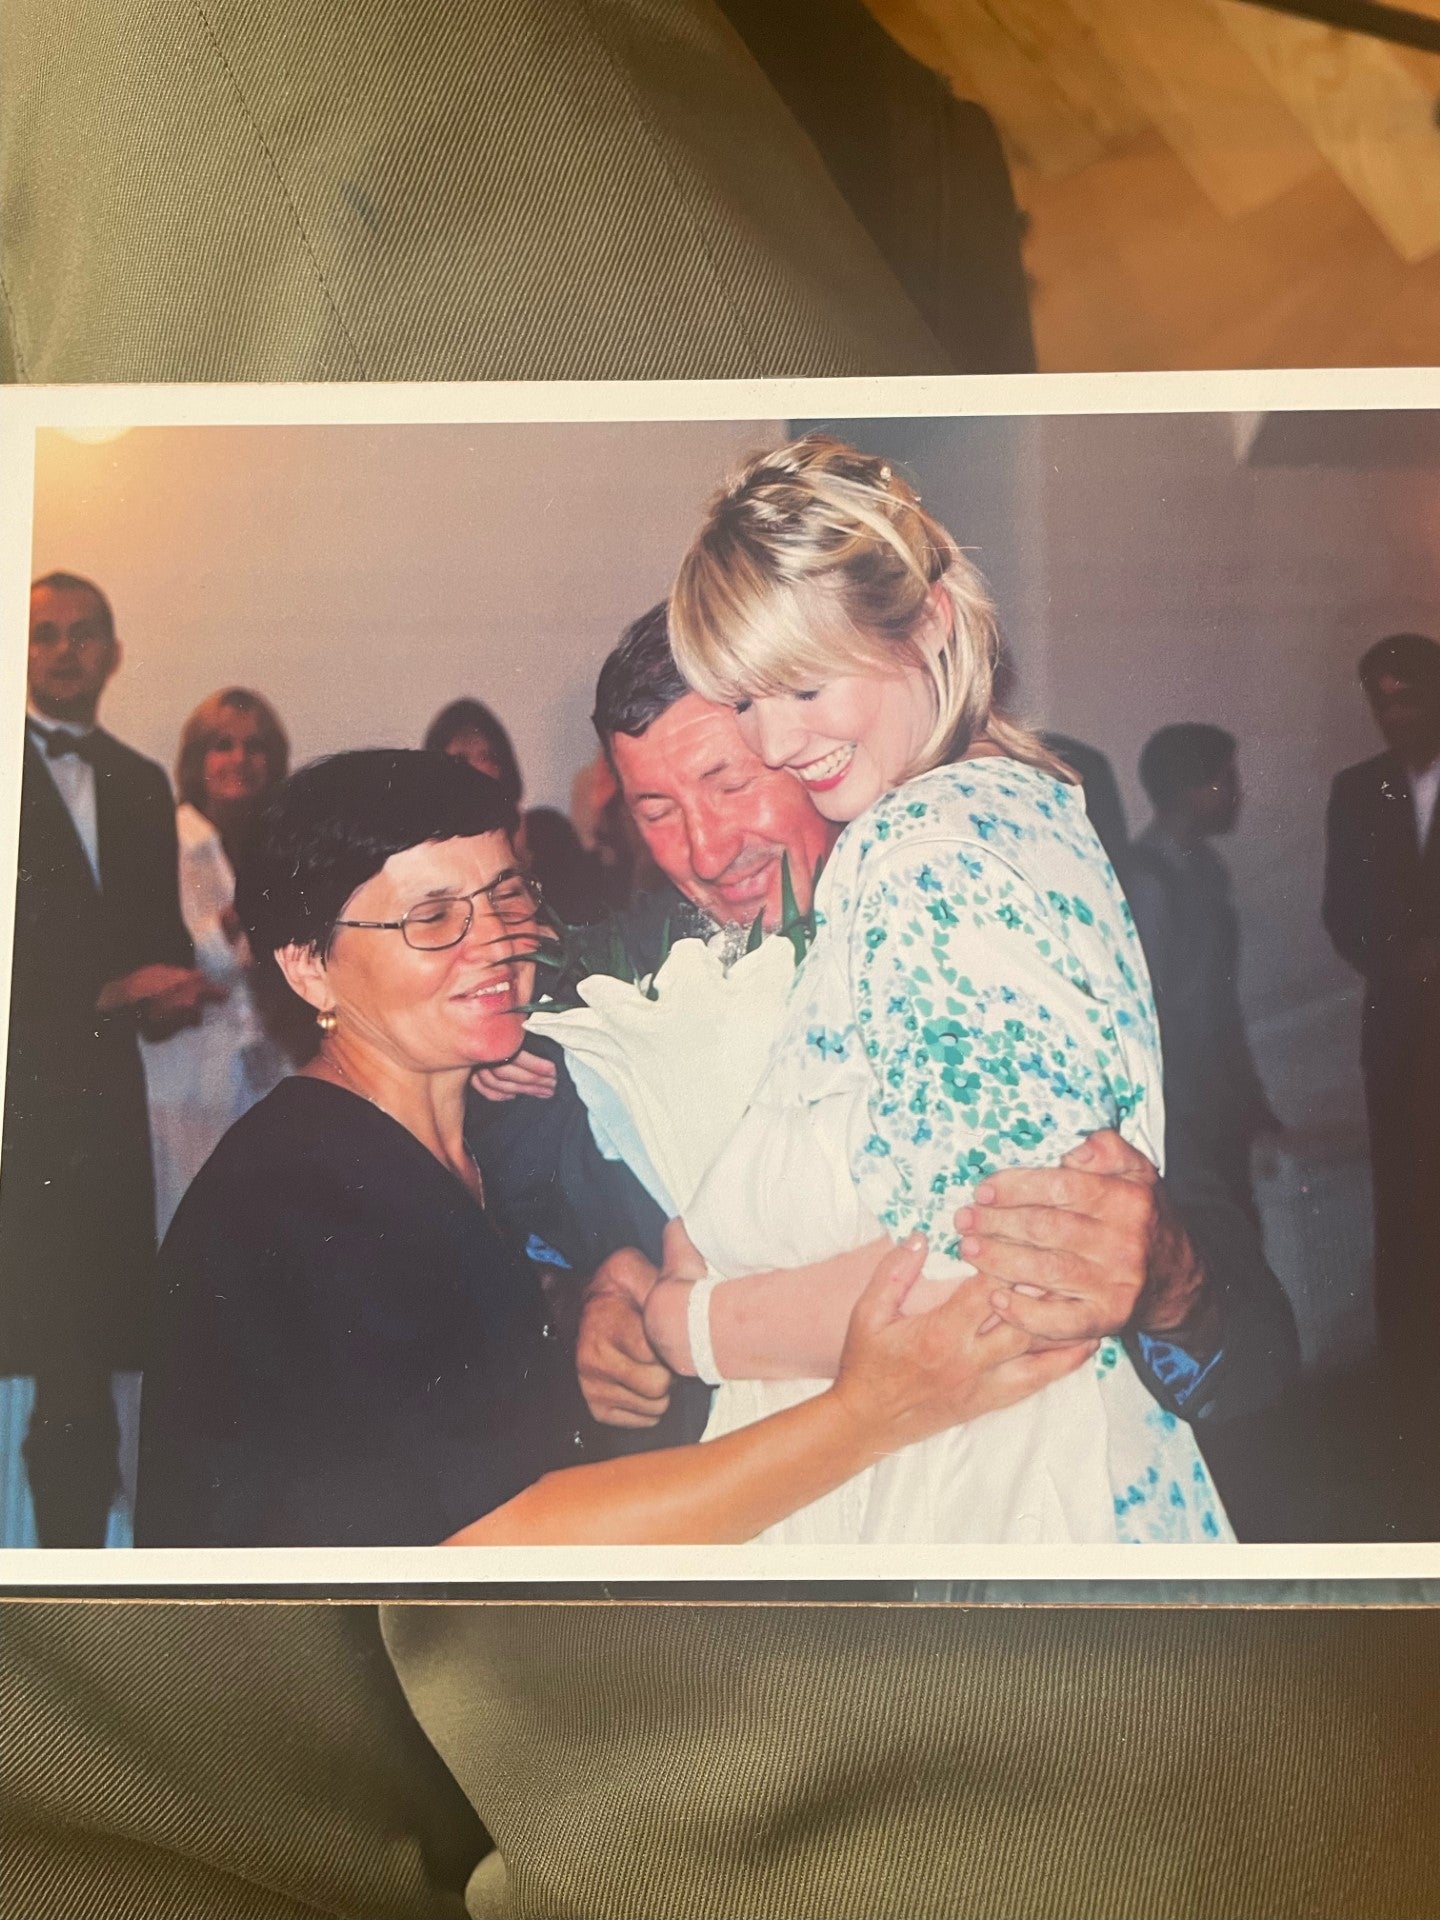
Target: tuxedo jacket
76,1196
1381,890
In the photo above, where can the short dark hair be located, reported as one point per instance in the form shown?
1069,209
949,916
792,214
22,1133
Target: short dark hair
1188,754
60,582
1413,656
473,716
332,826
639,680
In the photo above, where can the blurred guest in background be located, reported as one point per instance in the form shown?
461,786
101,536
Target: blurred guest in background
233,754
573,880
473,732
607,830
101,952
1382,910
1179,891
1102,794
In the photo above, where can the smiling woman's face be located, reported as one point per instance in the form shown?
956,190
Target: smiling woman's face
433,1011
848,741
236,767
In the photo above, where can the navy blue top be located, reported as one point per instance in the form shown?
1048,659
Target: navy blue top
347,1351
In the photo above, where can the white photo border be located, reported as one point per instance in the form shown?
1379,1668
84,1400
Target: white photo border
25,410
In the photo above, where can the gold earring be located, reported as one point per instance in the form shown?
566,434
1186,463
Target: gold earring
327,1020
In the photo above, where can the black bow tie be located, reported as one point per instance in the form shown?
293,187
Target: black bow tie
59,742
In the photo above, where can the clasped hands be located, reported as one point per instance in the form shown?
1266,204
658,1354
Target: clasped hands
1063,1255
161,999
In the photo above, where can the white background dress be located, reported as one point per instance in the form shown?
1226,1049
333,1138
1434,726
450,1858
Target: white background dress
203,1078
975,999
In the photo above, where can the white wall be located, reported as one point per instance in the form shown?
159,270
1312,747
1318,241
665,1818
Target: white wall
361,577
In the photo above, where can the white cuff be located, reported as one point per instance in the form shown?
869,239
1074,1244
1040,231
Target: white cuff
697,1322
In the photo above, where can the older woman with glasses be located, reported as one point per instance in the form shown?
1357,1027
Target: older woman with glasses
349,1352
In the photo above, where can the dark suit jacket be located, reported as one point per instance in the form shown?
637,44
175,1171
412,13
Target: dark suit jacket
77,1215
1380,892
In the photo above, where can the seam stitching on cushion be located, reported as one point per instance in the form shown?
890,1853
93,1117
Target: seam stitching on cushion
653,135
12,326
284,191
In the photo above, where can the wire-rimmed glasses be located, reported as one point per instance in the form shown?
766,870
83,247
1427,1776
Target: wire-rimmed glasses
432,925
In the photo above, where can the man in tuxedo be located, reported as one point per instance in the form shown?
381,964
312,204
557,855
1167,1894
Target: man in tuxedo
1382,910
101,954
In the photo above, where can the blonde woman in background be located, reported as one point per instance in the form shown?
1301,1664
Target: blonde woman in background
233,754
975,999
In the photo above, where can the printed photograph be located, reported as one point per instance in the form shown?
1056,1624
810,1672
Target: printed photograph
829,982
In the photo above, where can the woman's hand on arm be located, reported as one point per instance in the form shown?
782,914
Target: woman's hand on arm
902,1377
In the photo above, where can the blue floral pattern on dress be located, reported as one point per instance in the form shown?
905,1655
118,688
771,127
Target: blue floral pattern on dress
976,955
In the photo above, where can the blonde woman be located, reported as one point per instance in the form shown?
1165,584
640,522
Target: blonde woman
975,999
233,754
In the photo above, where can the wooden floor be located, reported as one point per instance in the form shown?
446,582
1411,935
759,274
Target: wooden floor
1208,184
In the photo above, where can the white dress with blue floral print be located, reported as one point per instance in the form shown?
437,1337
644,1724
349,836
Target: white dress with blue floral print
975,999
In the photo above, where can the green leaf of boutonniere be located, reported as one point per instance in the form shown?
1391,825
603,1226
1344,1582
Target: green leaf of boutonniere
797,927
567,955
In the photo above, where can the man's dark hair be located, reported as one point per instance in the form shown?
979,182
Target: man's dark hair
473,716
1410,656
639,680
60,582
334,824
1189,754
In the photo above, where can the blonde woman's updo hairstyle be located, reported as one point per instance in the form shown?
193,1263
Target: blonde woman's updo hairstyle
819,561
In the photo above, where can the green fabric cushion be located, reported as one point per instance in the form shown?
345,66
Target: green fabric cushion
390,189
217,1762
849,1763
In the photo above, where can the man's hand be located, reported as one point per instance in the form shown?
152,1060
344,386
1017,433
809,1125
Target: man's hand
162,998
1084,1249
623,1382
527,1073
